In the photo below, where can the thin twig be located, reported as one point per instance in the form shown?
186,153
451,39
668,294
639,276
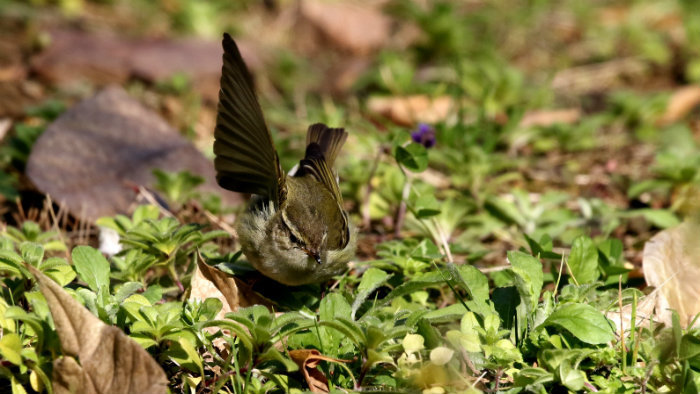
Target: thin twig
498,379
223,225
493,269
54,219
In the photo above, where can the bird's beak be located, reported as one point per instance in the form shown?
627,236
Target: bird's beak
315,255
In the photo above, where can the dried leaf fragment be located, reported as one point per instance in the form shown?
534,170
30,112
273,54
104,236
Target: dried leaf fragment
682,101
598,77
671,263
110,361
550,117
209,282
644,312
410,110
363,28
308,360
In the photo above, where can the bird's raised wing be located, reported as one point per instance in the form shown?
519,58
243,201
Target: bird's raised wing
246,160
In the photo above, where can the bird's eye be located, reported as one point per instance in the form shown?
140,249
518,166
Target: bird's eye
294,239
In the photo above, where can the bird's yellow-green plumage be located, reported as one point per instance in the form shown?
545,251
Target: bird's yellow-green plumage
295,230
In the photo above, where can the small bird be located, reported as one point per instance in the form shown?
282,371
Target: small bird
295,229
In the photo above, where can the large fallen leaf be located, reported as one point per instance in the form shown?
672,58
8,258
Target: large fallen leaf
209,282
671,263
308,360
550,117
110,361
363,28
598,77
17,95
419,108
102,58
94,156
622,321
682,101
409,110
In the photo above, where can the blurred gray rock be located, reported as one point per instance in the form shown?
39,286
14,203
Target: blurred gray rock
93,157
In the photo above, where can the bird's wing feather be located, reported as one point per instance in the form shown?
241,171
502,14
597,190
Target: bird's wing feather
315,165
246,160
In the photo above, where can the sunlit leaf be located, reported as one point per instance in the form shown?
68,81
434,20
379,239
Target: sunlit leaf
583,321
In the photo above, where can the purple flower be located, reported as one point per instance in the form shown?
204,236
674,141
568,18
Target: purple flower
425,135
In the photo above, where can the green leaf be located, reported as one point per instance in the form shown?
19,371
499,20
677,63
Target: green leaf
612,250
17,388
504,210
583,321
572,378
506,300
583,260
126,290
32,253
426,206
192,354
62,274
209,308
371,280
528,278
272,354
413,343
470,341
333,306
11,348
347,328
91,266
441,355
12,262
414,157
475,284
661,218
449,313
153,293
690,350
532,376
420,282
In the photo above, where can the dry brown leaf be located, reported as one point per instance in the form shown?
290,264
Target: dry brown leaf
209,282
110,361
644,311
550,117
17,95
682,101
409,110
308,360
671,263
93,158
359,28
103,59
68,377
598,77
